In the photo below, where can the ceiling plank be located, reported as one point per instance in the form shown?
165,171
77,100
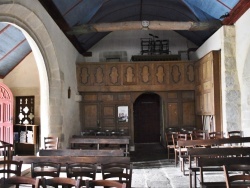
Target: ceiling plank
58,18
241,7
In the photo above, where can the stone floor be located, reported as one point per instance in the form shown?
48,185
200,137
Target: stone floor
152,169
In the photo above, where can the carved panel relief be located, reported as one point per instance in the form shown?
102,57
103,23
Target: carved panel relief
85,75
99,73
129,74
175,73
114,74
136,76
190,72
160,74
145,74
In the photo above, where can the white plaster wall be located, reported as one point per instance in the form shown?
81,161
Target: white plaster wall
60,64
130,41
242,55
25,74
23,80
243,66
213,43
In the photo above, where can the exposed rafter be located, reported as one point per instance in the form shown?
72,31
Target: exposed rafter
237,12
144,25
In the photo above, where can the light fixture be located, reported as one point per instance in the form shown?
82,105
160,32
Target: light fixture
69,92
145,24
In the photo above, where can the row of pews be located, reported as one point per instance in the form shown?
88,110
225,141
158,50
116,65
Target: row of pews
210,155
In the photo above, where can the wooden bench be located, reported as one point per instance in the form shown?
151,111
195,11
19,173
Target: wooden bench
199,153
211,142
76,141
79,153
72,159
215,164
207,143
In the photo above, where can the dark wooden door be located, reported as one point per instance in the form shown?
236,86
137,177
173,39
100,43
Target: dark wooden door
147,119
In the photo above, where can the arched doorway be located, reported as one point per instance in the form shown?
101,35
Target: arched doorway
147,115
6,114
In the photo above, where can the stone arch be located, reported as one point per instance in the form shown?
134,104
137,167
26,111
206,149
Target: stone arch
46,59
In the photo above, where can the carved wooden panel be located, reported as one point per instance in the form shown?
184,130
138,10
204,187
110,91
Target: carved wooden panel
161,74
108,116
84,73
107,97
176,74
129,74
136,76
172,110
205,85
113,74
123,97
188,114
180,109
90,97
90,116
145,74
98,74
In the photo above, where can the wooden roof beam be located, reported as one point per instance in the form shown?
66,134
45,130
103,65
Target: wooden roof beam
144,25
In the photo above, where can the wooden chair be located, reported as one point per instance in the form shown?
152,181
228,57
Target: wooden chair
234,134
21,180
51,142
121,172
169,142
177,150
10,168
104,183
45,169
81,170
198,135
236,176
215,135
61,181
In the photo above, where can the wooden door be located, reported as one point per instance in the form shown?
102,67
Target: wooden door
147,119
6,114
90,115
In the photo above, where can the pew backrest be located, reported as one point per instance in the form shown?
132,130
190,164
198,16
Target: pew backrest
210,142
85,153
70,159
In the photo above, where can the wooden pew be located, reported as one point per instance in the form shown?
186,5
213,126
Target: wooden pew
74,141
71,159
208,143
206,163
211,142
212,152
79,153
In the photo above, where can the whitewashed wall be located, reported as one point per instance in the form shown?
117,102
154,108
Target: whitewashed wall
130,41
56,53
23,80
242,63
243,66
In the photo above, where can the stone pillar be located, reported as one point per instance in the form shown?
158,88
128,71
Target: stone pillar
231,95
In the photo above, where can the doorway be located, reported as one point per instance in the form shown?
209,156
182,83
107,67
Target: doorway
147,115
6,114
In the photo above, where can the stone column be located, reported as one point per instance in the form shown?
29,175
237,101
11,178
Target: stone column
231,95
